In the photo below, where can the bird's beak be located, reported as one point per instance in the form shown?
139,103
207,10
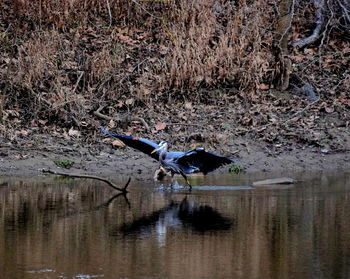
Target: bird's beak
155,150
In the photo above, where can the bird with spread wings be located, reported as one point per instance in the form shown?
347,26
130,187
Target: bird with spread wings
176,162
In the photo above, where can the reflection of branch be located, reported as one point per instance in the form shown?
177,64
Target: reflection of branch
86,211
107,203
111,184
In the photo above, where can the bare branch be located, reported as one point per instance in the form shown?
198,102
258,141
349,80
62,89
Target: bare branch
125,119
109,13
111,184
345,10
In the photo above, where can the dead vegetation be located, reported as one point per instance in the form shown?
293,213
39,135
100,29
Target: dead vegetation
62,61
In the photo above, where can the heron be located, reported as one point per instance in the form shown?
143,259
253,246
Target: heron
175,162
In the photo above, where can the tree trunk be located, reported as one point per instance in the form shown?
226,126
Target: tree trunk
283,66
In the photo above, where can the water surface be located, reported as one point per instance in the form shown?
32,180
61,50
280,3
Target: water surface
54,228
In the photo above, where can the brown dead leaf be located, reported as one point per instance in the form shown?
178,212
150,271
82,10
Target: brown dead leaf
329,109
163,50
263,86
160,126
119,104
73,133
112,124
298,58
23,132
188,105
146,91
129,101
125,39
118,143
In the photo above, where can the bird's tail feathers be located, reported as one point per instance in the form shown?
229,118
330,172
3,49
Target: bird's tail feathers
106,132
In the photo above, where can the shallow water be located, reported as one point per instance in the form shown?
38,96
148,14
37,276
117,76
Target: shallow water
59,228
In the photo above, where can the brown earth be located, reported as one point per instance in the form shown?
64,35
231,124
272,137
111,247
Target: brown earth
288,145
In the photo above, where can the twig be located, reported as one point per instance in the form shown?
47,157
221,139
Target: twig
184,124
111,184
325,33
302,110
345,10
77,83
144,123
109,13
138,65
145,10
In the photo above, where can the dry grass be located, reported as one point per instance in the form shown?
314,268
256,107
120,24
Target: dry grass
219,44
62,59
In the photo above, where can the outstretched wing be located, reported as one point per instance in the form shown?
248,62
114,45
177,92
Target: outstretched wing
202,160
144,145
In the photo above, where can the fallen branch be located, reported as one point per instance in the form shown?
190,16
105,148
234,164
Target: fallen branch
99,114
302,110
184,124
111,184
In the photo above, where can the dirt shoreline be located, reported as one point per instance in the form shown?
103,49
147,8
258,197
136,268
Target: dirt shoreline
26,157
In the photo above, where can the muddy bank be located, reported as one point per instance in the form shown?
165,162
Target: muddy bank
27,156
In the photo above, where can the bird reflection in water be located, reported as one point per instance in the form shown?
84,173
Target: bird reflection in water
199,218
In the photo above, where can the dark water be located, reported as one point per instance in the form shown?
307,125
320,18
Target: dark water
53,228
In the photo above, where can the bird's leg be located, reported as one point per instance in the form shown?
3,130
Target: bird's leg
188,183
172,180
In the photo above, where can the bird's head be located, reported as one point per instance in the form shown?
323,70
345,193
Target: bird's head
162,145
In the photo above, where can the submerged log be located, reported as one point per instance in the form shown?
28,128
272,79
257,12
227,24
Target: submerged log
282,180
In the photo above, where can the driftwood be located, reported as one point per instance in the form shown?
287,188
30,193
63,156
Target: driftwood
111,184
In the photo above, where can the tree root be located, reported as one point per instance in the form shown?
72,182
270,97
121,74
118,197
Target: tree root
111,184
320,18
